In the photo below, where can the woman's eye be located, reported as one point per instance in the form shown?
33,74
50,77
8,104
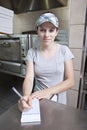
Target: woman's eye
42,30
51,30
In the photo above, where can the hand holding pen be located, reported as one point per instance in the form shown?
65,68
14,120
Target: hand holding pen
24,102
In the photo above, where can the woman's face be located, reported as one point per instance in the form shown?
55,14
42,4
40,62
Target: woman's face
47,33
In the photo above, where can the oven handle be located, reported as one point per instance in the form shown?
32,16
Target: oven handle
9,63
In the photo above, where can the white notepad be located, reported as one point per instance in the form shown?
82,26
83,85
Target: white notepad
32,115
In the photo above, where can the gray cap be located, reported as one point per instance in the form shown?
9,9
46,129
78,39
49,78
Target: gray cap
47,17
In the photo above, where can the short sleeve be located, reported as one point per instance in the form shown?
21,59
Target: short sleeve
30,55
67,54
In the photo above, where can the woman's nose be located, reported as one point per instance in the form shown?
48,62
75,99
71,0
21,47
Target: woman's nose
46,33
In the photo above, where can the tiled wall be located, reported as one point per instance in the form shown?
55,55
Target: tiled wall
77,21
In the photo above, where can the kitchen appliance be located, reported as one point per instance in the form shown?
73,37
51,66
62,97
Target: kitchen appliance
13,50
33,40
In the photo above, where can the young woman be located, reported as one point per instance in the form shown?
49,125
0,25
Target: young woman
50,65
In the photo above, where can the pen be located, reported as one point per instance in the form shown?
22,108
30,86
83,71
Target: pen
15,90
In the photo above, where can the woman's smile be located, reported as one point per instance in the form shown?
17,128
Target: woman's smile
46,39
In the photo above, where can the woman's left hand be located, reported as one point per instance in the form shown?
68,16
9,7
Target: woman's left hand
41,94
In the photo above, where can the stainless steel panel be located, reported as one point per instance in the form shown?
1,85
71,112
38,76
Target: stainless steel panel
13,50
34,41
54,116
10,50
20,6
10,66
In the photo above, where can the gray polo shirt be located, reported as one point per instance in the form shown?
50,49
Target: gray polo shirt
50,72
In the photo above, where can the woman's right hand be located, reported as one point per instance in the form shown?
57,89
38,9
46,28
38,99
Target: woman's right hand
25,103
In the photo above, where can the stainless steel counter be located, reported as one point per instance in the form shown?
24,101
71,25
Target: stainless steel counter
53,117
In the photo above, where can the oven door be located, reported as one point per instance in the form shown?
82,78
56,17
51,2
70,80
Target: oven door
10,49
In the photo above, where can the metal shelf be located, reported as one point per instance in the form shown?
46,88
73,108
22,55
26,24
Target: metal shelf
83,79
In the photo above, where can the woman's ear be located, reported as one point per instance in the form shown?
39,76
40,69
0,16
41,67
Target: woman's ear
57,31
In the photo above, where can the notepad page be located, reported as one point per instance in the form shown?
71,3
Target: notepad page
33,114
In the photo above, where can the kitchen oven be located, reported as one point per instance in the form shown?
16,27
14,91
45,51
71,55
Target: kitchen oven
13,50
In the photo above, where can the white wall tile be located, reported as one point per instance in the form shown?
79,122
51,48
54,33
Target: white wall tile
72,98
77,11
78,58
76,36
77,79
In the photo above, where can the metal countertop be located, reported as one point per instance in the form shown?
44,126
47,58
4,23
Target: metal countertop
54,116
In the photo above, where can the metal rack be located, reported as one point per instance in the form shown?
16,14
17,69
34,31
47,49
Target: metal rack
82,104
